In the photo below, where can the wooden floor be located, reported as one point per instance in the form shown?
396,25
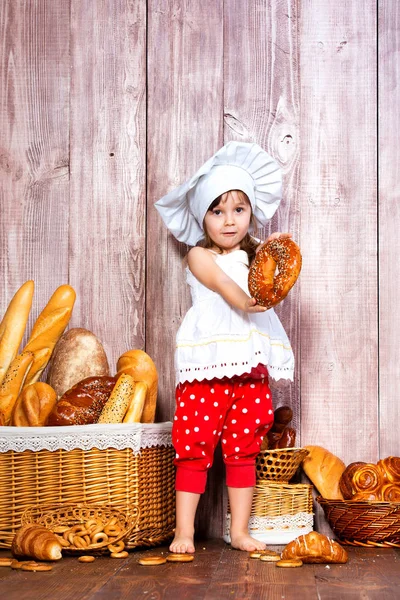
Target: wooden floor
217,572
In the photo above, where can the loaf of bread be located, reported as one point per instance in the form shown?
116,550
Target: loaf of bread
78,354
35,541
48,328
135,408
33,406
140,366
315,547
324,469
83,403
116,406
13,383
12,327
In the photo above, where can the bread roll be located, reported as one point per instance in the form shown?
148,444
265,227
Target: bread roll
139,364
324,469
77,355
33,406
13,383
390,468
35,541
135,408
48,328
83,403
315,547
346,480
119,400
12,327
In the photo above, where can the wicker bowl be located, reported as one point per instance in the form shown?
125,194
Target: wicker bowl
61,518
364,523
279,465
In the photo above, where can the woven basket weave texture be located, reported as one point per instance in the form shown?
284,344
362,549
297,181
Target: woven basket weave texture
119,478
279,465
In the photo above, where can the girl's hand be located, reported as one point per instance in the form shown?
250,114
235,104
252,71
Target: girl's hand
251,306
274,236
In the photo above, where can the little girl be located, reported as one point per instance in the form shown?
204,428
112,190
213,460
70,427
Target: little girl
227,345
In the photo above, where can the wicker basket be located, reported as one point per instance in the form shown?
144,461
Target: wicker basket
54,517
280,512
123,478
364,523
279,465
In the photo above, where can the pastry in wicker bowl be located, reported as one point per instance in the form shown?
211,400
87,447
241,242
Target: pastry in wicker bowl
315,548
84,528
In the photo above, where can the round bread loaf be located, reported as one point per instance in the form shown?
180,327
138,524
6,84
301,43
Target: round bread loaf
77,355
83,403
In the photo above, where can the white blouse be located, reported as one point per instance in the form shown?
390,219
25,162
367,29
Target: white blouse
217,340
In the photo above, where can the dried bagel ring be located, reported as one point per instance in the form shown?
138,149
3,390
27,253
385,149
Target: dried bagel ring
6,561
117,547
180,557
122,554
150,561
86,558
266,287
99,538
36,567
63,542
270,557
79,542
112,530
289,563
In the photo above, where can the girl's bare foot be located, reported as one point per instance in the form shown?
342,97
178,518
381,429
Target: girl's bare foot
182,544
243,541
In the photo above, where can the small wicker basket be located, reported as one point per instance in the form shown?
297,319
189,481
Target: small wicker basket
279,465
66,516
375,524
280,512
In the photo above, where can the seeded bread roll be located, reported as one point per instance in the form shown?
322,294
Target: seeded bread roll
77,355
83,403
116,406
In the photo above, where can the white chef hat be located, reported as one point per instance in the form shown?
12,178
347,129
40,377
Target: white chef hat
236,166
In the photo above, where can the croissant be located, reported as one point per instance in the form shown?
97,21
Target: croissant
346,480
390,468
35,541
315,548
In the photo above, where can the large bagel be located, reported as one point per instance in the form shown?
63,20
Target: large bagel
266,287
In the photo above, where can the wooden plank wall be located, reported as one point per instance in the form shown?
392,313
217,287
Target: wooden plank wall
105,106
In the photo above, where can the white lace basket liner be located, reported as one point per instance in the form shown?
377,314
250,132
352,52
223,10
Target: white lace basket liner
85,437
275,530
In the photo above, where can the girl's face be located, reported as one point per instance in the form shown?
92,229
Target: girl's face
228,222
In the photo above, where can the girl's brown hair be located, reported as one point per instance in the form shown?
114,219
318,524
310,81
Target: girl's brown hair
248,243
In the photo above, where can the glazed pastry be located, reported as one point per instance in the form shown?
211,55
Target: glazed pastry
315,547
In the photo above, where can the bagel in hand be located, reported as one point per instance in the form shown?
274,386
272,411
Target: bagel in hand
266,287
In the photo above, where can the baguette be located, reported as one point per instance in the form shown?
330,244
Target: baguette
116,406
13,383
33,406
140,366
12,327
48,328
136,405
35,541
324,469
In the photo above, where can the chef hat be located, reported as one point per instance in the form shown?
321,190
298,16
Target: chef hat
236,166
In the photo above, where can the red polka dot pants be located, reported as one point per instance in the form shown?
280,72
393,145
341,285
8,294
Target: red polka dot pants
237,411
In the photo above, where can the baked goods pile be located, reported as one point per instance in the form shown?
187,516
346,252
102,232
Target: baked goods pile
274,271
373,482
79,388
359,481
280,435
